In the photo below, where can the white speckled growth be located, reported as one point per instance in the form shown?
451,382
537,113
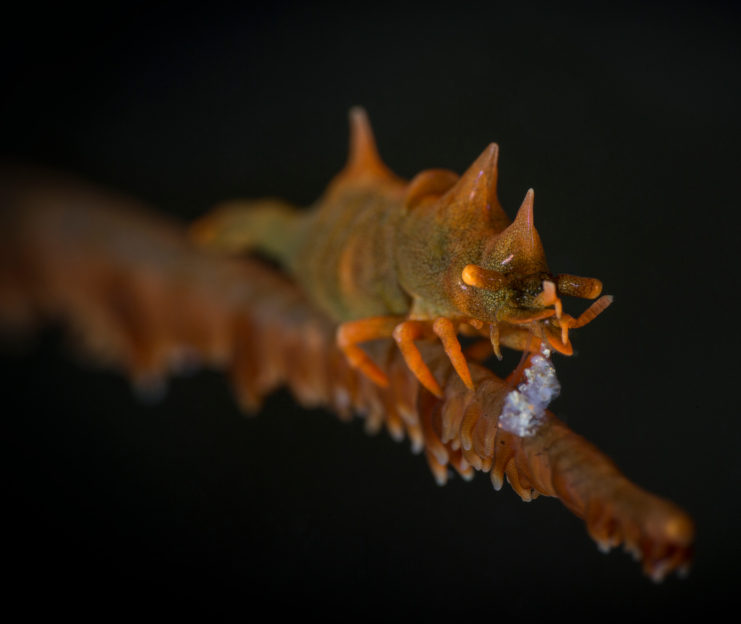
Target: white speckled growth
524,408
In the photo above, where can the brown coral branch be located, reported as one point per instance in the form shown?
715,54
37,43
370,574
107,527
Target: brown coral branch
141,298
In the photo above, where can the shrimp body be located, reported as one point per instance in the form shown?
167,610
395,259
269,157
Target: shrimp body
345,257
413,260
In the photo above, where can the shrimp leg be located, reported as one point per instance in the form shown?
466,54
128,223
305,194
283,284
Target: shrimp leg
352,333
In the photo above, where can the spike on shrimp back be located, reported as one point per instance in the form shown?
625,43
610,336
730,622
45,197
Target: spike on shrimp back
364,164
474,197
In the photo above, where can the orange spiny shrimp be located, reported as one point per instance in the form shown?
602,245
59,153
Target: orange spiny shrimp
413,260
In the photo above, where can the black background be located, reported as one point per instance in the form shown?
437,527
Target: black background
625,122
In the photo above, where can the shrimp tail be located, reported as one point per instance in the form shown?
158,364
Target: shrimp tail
270,226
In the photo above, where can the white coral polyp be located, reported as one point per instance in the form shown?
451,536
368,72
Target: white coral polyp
524,408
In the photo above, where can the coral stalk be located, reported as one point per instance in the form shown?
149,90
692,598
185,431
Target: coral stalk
141,298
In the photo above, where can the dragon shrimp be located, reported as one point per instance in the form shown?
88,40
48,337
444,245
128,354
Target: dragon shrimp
424,259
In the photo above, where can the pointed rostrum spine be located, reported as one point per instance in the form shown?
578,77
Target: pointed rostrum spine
519,247
524,225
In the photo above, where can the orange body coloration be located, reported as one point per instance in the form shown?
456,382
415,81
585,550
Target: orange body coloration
413,260
140,298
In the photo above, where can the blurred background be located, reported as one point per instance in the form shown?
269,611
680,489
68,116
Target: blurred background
625,122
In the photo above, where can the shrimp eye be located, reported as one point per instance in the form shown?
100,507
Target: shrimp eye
479,277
